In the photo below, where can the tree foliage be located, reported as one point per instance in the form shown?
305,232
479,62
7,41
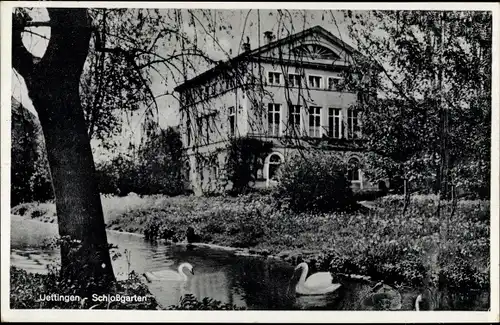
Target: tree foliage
157,168
30,175
431,118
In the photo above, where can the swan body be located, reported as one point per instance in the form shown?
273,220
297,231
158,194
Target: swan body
170,275
317,284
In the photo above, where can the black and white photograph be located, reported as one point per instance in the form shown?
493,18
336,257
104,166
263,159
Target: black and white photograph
182,158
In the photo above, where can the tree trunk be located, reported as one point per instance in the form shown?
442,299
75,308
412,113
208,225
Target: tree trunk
53,86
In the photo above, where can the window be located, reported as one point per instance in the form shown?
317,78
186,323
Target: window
188,133
273,119
353,130
334,123
354,172
315,81
274,78
333,83
273,166
294,118
199,128
187,171
207,91
232,121
315,121
294,80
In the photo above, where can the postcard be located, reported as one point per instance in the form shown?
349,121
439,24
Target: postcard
250,162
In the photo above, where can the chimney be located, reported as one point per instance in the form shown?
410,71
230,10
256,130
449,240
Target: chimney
246,46
268,36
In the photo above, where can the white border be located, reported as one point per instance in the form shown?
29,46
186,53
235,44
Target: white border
244,316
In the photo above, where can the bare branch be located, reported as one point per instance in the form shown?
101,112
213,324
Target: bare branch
28,24
36,34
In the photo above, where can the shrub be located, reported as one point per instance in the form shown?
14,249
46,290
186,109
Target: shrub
316,182
190,302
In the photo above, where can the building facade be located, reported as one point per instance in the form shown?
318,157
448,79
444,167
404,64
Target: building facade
289,92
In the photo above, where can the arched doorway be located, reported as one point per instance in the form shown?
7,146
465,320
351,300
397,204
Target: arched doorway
354,173
271,165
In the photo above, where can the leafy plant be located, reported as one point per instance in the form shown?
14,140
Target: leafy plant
330,190
190,302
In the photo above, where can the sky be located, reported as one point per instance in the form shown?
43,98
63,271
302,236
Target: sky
244,23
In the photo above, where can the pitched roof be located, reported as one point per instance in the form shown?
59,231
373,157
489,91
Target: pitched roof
224,64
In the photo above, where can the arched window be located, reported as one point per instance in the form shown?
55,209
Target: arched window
272,163
354,172
315,51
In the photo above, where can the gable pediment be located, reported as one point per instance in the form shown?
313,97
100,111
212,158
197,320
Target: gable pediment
315,45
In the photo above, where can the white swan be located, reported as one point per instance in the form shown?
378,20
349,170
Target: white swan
317,284
170,275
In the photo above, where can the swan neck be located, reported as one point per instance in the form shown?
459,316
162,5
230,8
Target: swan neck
181,272
305,269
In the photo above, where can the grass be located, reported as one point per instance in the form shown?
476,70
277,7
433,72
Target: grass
417,248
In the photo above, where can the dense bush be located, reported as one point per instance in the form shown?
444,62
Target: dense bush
314,182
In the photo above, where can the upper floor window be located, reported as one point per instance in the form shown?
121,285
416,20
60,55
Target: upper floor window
333,83
353,126
294,118
232,121
274,78
273,119
294,80
315,121
334,122
315,81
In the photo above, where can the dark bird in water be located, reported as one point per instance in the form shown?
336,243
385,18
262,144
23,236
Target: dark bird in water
191,236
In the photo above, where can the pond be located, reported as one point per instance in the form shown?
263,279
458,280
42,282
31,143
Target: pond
256,283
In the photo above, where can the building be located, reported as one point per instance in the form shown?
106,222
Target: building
289,92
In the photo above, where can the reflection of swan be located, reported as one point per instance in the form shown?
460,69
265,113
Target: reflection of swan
382,297
170,275
317,284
